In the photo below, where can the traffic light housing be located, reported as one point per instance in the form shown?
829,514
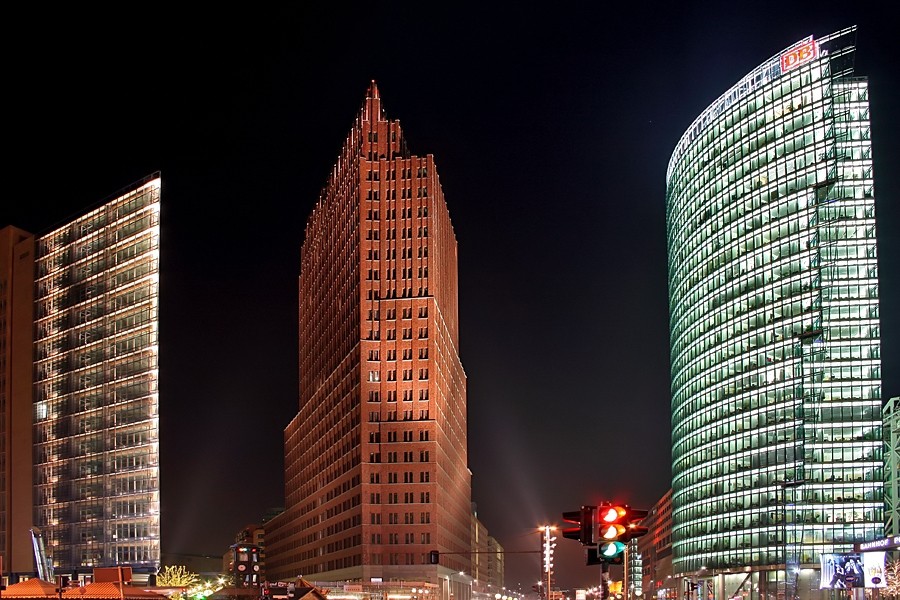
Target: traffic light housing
611,553
434,557
584,525
617,525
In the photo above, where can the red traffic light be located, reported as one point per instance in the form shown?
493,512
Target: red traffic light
605,529
613,514
619,522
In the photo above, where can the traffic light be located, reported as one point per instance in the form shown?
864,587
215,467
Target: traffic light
617,524
585,525
434,557
611,553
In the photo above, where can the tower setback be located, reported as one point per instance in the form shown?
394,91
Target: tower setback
376,472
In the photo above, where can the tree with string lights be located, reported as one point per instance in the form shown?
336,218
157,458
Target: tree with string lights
892,578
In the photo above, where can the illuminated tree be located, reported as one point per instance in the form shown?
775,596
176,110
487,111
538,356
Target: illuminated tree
176,576
229,579
204,589
892,578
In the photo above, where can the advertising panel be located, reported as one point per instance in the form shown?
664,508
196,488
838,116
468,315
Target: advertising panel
873,569
798,56
852,570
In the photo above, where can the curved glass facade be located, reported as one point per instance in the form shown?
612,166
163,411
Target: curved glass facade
774,324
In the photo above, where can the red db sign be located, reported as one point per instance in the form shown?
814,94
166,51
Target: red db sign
799,55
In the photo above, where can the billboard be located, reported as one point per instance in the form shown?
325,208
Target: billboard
852,570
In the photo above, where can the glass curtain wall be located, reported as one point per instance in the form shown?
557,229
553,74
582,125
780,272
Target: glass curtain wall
96,424
773,284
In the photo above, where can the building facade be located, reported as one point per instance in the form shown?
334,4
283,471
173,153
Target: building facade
95,389
773,283
651,571
376,458
891,413
251,535
16,364
488,562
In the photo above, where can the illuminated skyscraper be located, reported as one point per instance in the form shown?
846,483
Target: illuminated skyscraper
87,294
376,459
775,343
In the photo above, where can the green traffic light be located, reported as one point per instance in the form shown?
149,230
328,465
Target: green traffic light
611,549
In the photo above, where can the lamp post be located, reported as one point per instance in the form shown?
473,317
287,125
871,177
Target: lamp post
549,543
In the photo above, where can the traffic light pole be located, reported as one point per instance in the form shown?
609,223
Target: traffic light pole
604,581
605,531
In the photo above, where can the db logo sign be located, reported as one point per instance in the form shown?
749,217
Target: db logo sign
798,56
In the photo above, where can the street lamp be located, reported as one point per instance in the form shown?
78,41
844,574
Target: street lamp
549,543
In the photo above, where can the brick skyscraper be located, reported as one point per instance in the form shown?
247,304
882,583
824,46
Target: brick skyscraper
376,459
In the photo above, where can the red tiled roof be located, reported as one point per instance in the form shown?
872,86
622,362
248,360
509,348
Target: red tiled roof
31,588
109,590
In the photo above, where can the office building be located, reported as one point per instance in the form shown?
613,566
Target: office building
16,364
376,458
488,559
777,453
80,352
650,556
891,413
251,536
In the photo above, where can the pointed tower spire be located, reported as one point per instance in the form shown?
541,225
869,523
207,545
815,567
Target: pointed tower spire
372,92
372,109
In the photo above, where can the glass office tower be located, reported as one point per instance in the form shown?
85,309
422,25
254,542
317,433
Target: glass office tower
96,424
773,285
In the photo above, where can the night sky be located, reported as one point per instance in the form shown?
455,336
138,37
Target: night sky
551,128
